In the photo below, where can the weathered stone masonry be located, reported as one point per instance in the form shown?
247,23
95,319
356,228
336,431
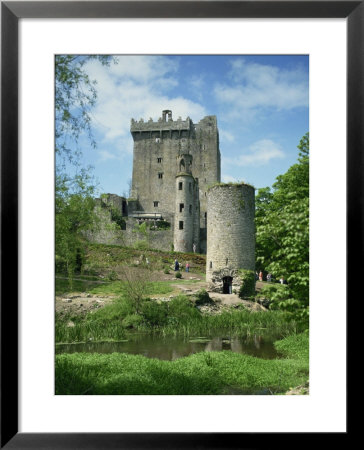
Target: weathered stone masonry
230,233
176,178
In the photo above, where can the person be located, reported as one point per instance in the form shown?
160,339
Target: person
194,247
283,280
260,276
176,265
256,276
269,277
187,267
147,261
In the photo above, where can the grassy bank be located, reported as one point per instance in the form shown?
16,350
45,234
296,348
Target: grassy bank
177,317
199,374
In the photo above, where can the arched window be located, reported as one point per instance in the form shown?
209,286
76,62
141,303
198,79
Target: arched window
182,166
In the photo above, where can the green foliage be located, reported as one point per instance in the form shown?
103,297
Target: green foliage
202,298
132,321
166,270
203,373
118,218
112,276
154,313
180,309
141,245
161,225
75,96
282,232
74,215
247,287
275,292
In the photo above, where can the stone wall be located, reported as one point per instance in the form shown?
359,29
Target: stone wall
107,232
230,231
157,146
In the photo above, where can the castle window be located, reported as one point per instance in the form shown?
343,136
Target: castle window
180,185
181,225
160,175
190,209
190,186
181,206
205,180
227,260
159,160
182,166
156,204
210,264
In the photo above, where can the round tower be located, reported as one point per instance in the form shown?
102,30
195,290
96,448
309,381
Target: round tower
230,234
184,217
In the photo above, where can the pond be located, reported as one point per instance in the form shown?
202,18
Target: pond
172,348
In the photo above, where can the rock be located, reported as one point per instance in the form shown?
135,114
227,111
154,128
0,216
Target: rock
70,324
67,300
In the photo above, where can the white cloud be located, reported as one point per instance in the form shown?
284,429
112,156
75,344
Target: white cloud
106,155
259,154
226,136
136,88
228,178
255,86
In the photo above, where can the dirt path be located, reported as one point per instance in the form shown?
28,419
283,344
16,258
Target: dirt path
83,302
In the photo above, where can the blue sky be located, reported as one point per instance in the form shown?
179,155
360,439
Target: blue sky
261,104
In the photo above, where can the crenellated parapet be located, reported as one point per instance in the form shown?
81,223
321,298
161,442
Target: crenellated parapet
164,123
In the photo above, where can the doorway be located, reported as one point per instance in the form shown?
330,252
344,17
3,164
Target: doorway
227,285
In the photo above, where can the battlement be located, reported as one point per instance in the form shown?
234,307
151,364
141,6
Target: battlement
164,123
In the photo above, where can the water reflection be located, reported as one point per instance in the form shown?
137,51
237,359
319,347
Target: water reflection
173,348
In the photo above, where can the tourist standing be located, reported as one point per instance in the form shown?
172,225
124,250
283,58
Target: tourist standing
269,277
176,265
187,267
260,276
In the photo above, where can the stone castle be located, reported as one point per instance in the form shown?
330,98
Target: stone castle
176,181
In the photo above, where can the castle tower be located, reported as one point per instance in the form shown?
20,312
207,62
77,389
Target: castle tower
230,234
157,144
185,209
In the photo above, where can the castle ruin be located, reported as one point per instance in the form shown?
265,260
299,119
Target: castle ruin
176,181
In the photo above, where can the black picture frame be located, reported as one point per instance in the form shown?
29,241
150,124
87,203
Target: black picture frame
11,12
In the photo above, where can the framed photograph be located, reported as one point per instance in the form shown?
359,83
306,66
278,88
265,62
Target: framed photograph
273,46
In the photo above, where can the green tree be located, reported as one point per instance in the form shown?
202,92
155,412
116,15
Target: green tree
282,232
75,96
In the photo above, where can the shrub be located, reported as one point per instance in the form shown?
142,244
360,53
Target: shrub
247,287
181,308
178,275
132,321
166,270
162,225
202,298
61,265
154,313
141,245
112,276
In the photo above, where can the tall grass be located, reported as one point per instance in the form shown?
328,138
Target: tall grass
177,317
199,374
